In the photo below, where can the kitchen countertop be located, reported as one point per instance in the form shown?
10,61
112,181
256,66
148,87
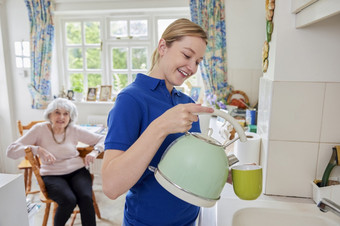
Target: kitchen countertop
222,213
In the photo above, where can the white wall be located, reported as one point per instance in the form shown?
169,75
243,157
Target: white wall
245,26
299,109
245,36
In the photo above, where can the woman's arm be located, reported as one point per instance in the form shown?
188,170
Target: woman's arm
17,149
122,169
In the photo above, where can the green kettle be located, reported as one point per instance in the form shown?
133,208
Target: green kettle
195,166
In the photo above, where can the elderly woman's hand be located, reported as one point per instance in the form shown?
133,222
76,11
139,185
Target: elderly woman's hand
45,156
90,157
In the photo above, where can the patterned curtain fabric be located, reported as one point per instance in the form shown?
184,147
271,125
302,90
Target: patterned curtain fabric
210,15
41,40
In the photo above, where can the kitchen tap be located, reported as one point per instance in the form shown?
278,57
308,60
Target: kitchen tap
326,204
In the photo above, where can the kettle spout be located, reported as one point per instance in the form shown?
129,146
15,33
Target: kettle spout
234,123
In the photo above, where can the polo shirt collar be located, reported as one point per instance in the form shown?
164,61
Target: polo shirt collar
153,83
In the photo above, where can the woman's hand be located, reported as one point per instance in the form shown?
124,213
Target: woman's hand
179,119
90,157
45,156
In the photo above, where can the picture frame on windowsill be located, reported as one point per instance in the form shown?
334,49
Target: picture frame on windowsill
105,93
91,94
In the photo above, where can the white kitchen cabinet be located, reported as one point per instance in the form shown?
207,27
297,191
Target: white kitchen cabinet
13,209
312,11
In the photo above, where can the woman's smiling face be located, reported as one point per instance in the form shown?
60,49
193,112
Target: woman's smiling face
179,61
60,118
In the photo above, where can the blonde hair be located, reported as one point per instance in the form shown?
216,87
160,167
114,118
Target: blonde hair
175,32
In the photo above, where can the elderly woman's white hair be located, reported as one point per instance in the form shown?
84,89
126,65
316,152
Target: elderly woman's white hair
61,103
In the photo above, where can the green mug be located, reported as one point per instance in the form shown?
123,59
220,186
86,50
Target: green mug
247,181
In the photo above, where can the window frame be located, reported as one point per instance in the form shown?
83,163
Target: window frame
150,43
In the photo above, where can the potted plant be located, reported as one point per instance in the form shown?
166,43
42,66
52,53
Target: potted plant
78,90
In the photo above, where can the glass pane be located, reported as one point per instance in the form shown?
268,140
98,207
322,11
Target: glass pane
18,48
77,82
134,76
162,25
26,48
73,33
27,62
75,58
139,58
18,62
119,58
94,80
92,32
119,81
93,58
139,28
118,28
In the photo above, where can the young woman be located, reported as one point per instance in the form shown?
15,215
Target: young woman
147,116
63,171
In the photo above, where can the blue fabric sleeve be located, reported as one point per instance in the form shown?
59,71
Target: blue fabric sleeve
123,123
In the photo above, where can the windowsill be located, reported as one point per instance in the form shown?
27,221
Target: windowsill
94,102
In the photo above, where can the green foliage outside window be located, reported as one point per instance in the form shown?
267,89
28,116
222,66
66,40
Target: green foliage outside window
119,81
119,57
94,80
139,58
75,58
73,33
93,58
77,82
92,32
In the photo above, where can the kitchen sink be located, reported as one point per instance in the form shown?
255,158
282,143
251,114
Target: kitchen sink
255,216
267,210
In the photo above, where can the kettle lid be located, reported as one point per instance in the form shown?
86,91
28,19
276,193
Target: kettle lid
206,138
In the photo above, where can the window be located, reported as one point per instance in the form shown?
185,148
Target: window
22,54
110,50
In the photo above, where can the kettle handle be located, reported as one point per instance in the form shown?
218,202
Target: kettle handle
233,122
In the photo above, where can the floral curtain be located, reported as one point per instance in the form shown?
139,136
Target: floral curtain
210,15
41,40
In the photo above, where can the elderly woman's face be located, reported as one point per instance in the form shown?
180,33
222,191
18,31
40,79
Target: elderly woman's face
60,118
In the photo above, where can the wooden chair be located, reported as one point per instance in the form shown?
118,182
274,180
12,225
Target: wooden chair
43,193
25,164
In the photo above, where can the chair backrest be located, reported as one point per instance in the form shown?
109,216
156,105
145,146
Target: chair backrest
26,127
36,167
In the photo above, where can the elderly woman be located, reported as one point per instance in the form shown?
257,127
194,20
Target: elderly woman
66,178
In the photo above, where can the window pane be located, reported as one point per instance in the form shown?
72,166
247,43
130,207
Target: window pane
93,58
94,80
18,48
77,82
119,58
139,28
73,33
139,56
92,32
118,28
18,62
162,25
27,62
119,81
134,76
75,58
26,49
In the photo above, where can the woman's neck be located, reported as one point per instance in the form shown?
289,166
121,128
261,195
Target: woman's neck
57,130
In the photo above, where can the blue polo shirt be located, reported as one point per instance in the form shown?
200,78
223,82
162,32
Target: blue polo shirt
148,203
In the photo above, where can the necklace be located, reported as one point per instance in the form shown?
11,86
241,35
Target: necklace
55,138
